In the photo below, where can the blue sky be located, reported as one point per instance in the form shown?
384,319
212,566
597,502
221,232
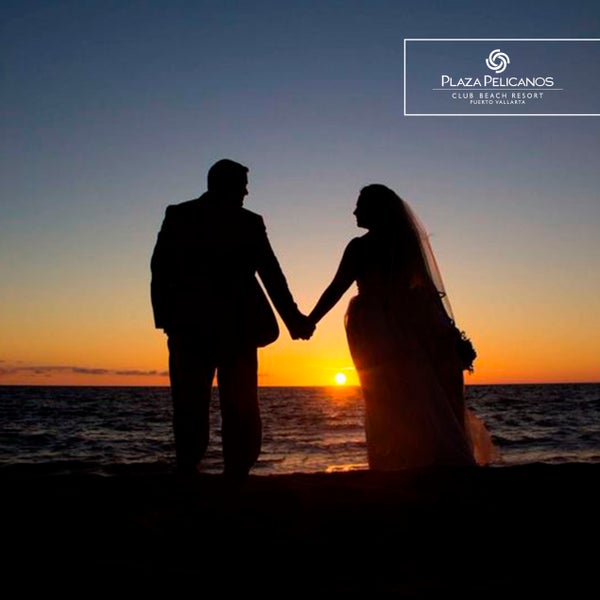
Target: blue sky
112,110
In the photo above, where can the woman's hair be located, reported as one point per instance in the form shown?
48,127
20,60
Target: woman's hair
385,207
389,213
386,211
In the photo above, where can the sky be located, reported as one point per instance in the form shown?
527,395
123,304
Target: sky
111,110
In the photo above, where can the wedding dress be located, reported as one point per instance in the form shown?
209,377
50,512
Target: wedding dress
400,331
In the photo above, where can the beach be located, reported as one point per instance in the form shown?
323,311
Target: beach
419,533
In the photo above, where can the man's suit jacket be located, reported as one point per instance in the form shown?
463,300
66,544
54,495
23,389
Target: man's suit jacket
204,267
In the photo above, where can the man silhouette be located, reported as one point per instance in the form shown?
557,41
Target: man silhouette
206,298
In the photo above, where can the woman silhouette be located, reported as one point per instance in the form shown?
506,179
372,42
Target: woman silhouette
402,339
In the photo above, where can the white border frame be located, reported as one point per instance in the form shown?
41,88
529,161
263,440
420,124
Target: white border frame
493,40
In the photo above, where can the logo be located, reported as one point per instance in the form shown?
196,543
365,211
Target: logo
497,61
448,77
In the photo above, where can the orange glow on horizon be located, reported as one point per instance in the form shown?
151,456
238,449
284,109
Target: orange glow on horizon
291,373
317,362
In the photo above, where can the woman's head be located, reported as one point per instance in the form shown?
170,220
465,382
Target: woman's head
379,207
381,210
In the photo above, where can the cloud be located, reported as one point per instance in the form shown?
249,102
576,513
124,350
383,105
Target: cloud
52,369
88,371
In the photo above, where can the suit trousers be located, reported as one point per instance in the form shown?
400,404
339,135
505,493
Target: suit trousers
193,362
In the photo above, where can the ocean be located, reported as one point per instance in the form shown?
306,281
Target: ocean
305,429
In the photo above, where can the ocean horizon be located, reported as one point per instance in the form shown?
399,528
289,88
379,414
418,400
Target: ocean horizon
305,428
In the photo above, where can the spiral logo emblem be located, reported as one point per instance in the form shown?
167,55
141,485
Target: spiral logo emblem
497,61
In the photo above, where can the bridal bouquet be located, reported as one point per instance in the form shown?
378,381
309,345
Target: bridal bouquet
466,350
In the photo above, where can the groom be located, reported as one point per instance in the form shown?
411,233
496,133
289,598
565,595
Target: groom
206,298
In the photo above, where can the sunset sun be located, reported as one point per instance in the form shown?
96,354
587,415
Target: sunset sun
340,378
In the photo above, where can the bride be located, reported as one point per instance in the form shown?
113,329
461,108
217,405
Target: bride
402,339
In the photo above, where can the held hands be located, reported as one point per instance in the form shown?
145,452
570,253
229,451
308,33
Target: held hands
303,328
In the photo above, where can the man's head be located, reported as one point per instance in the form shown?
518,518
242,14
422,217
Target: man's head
229,181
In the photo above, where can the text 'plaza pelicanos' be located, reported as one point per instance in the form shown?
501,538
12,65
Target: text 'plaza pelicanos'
491,81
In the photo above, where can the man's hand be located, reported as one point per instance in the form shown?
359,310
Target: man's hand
303,328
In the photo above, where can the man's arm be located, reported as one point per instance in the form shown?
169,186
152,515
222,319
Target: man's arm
275,283
160,267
